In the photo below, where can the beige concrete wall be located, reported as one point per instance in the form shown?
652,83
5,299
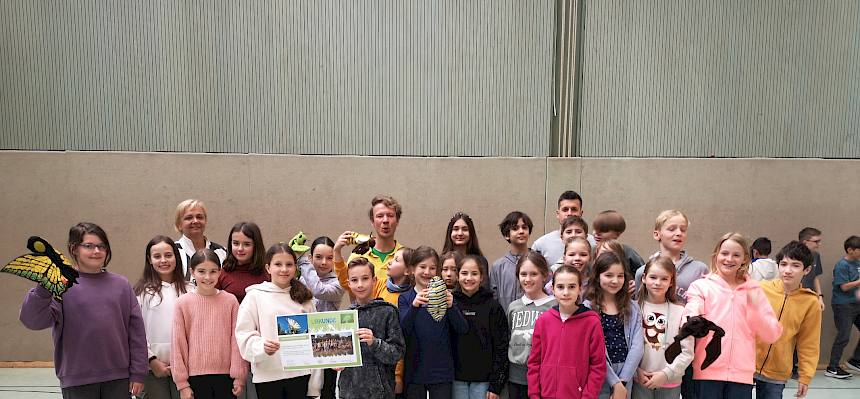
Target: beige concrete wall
132,195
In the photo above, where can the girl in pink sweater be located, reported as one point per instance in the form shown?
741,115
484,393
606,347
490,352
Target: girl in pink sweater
568,355
206,362
735,302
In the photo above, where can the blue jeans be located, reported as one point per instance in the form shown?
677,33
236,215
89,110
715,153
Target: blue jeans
470,390
708,389
768,390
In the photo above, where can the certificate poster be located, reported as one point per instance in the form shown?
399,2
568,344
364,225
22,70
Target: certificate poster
319,340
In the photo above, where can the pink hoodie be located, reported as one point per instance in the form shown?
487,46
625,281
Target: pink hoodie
743,322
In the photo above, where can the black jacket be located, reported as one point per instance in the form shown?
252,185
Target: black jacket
482,353
375,378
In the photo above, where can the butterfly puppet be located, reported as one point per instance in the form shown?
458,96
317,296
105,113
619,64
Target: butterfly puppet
45,266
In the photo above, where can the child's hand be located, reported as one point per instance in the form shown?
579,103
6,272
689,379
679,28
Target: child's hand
641,376
421,298
238,387
657,380
135,388
449,298
270,346
754,297
619,391
186,393
365,335
159,368
801,390
491,395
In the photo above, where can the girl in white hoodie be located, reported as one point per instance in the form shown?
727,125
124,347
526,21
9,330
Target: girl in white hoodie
256,332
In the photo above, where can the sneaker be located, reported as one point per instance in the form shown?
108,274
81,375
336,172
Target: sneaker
837,372
853,365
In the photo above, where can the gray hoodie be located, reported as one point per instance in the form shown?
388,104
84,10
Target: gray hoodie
375,378
687,270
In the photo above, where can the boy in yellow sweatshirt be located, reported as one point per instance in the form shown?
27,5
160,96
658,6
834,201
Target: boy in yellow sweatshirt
799,313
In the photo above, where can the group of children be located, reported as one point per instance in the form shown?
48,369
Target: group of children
585,317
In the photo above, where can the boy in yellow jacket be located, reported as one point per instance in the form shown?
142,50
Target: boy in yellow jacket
799,313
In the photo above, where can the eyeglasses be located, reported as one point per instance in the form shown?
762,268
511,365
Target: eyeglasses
818,241
90,246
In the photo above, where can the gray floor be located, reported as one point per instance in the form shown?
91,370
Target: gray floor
43,384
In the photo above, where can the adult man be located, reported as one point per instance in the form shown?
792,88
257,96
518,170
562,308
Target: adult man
384,215
550,245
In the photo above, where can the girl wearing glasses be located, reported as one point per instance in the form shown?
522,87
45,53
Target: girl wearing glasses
100,310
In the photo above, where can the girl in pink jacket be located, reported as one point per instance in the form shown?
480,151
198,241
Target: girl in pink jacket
736,303
568,355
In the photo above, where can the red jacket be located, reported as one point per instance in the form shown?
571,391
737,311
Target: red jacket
568,359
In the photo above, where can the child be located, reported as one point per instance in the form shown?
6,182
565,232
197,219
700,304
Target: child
515,228
609,225
319,276
574,226
429,358
620,318
191,221
205,360
462,237
256,328
450,268
532,273
846,307
661,322
568,356
399,280
800,316
157,291
762,268
550,245
382,343
811,237
731,300
670,232
244,265
577,254
481,365
101,311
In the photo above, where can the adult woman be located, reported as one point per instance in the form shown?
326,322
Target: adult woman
191,222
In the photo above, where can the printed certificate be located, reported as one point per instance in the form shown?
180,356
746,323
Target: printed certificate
319,340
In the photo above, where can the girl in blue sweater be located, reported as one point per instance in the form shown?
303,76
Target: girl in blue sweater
429,361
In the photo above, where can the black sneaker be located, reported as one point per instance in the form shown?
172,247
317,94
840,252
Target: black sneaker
837,372
853,365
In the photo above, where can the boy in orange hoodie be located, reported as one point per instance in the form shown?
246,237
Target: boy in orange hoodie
799,313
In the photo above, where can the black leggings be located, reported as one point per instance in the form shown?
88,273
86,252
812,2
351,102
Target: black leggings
212,386
290,388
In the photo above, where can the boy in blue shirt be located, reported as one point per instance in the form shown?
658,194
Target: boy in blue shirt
846,308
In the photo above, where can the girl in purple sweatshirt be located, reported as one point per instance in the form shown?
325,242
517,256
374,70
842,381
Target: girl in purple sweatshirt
99,338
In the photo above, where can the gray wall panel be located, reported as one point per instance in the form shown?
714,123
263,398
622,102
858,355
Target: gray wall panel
733,78
318,77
